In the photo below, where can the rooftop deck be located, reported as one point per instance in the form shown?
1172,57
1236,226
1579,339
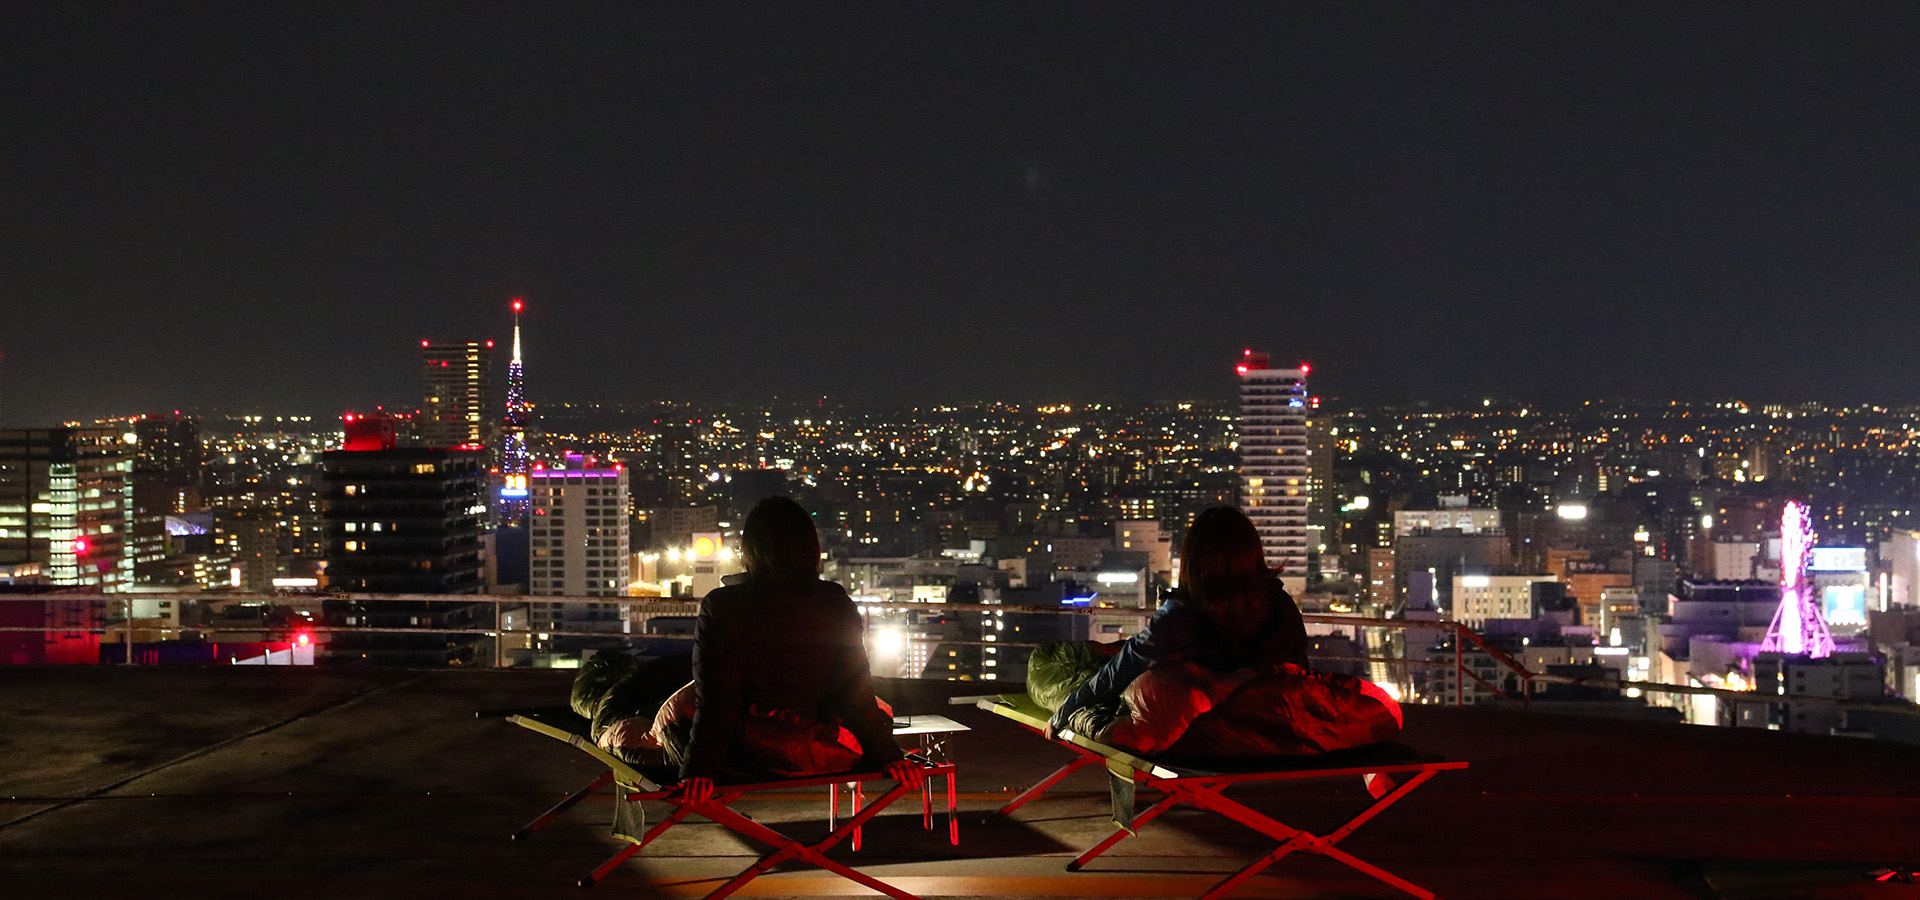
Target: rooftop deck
301,782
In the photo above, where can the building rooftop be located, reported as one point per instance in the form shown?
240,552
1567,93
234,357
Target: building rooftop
304,782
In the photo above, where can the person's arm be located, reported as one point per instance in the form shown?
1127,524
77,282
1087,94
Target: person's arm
1155,642
716,687
850,696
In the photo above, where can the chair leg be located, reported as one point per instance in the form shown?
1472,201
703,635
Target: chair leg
953,811
613,862
1047,783
786,848
858,799
673,818
1120,834
546,818
1292,839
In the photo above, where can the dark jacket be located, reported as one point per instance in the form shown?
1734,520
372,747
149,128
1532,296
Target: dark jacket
797,648
1180,634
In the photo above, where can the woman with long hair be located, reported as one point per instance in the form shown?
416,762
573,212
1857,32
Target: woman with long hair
783,647
1228,613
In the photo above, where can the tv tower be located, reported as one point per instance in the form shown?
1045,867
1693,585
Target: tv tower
1798,627
515,461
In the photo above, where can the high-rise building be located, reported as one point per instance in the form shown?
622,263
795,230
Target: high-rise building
249,541
404,521
1322,522
1274,470
457,399
64,504
167,467
578,531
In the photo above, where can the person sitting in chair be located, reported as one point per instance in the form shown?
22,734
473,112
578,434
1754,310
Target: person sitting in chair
780,677
1229,613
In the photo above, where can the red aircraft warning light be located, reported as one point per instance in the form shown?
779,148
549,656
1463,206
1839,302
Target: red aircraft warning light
518,304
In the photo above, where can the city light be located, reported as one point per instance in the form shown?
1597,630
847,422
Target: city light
514,486
890,641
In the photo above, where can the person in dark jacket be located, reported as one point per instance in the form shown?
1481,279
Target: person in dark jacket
783,642
1229,612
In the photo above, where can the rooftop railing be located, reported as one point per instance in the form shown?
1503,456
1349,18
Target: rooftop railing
494,636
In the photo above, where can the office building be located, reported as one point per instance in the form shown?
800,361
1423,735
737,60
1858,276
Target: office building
403,520
1274,467
457,401
65,504
168,465
1477,598
1147,536
578,531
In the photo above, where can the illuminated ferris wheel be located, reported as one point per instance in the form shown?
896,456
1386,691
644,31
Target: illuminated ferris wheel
1798,625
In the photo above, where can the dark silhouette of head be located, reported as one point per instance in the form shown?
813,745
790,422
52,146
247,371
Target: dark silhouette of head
779,543
1223,569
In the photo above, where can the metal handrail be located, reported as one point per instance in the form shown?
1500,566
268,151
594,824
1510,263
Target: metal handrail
1461,634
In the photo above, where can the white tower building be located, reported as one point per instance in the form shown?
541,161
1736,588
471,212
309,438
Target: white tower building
1273,463
578,531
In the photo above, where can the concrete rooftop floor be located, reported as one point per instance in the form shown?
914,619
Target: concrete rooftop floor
294,783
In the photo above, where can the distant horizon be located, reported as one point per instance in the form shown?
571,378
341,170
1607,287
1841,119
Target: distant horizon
1330,405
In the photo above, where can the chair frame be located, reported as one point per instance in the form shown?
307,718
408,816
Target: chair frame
631,787
1387,782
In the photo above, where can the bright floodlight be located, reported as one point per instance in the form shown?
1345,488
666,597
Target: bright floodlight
890,641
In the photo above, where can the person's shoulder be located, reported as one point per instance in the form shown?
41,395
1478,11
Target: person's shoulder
832,595
723,598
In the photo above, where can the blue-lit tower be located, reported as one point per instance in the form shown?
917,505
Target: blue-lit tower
515,461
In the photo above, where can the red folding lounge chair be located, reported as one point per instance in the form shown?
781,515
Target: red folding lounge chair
1391,772
632,787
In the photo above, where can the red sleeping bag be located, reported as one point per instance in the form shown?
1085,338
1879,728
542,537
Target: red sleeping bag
769,742
1187,711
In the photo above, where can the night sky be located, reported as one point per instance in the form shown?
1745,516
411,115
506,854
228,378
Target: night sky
266,205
